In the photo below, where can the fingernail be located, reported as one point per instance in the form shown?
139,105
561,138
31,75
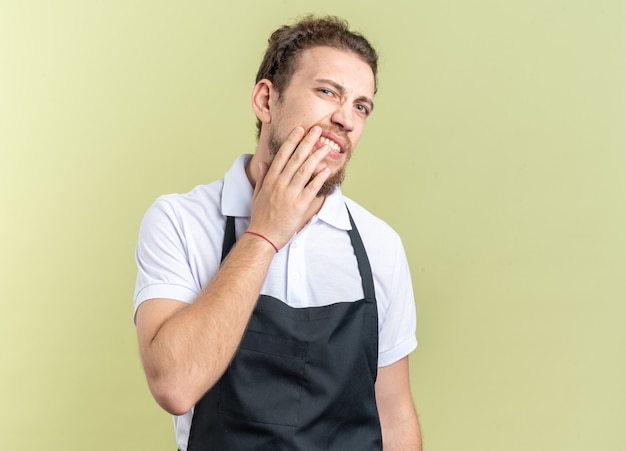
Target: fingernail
322,148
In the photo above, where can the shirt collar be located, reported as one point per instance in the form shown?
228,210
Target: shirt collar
237,192
237,197
334,211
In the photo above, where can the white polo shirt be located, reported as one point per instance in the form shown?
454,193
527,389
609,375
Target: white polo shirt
180,247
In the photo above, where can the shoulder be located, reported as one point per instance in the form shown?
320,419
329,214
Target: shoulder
201,197
375,232
183,214
201,202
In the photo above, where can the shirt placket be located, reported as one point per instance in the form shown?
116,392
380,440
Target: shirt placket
296,270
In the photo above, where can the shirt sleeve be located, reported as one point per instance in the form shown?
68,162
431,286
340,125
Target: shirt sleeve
397,334
163,269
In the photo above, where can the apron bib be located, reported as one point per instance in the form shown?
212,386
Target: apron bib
302,378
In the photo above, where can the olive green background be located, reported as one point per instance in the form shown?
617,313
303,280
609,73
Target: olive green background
497,150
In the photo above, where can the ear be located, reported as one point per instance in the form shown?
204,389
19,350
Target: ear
261,100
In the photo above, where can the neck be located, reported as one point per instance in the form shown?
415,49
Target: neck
253,172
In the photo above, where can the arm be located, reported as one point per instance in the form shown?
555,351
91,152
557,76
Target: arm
398,419
186,348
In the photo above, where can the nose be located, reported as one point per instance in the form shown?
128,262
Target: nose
343,116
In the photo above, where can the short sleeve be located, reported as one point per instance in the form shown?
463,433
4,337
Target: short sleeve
397,334
163,269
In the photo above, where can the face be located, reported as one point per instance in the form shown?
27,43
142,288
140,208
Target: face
333,89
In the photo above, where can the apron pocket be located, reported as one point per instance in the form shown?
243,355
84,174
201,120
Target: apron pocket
264,381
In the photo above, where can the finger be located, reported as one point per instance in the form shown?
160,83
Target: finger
286,150
313,187
310,167
304,148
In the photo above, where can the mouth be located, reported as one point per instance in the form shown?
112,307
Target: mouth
334,146
331,144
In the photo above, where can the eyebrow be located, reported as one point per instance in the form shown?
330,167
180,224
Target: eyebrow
342,91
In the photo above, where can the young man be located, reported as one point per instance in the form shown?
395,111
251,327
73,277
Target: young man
272,312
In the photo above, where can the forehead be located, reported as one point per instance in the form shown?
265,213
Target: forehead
342,66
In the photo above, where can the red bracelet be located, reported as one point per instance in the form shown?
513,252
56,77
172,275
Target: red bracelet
264,237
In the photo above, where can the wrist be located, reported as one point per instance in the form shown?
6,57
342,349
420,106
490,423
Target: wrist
262,237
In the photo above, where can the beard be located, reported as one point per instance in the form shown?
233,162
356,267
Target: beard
333,181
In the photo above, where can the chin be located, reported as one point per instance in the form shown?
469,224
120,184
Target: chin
331,184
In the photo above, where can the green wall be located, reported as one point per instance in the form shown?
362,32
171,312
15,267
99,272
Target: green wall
497,150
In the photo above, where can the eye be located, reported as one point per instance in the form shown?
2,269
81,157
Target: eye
362,109
326,92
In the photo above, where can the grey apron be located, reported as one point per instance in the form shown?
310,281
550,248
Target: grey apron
302,379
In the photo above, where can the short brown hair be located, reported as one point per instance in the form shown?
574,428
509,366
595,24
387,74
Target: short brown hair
289,41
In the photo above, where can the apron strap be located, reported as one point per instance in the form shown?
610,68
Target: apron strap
229,236
361,257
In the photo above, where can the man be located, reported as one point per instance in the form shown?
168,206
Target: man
272,312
